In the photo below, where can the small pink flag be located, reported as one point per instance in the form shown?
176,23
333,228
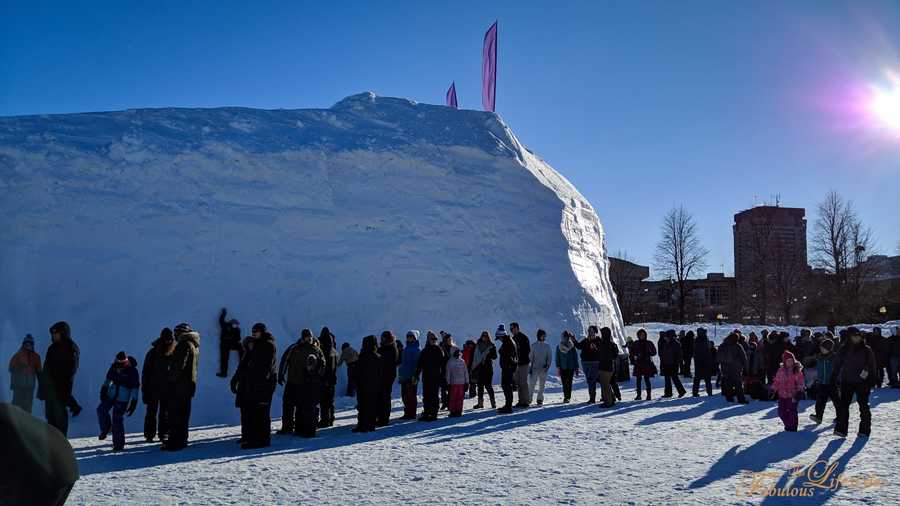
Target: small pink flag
489,69
451,96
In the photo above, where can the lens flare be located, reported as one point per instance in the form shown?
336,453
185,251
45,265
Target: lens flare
884,105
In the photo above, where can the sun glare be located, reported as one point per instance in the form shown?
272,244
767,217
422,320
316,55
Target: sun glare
884,106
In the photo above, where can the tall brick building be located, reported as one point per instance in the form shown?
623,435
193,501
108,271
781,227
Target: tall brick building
769,244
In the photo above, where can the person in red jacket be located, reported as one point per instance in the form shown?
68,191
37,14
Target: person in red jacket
468,353
24,368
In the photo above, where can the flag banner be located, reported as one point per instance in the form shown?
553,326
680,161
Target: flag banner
451,96
489,69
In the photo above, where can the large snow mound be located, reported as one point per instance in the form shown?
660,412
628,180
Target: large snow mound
378,213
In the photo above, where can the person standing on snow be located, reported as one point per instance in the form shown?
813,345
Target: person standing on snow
120,394
58,377
431,367
670,363
447,346
825,387
289,394
483,368
154,379
349,357
509,358
733,362
566,363
458,379
229,340
641,355
541,359
305,374
182,385
855,371
687,352
788,386
24,370
468,353
609,352
409,382
703,363
523,348
590,360
253,384
390,360
368,380
329,377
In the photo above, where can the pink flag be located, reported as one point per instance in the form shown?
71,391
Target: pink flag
451,96
489,69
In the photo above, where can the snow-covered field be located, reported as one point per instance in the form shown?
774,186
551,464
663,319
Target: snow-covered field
676,451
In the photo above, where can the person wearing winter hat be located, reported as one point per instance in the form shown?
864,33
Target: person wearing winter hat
430,367
182,385
509,358
368,380
447,346
541,359
58,377
119,393
153,386
253,385
24,369
788,385
229,340
825,387
406,375
307,384
328,345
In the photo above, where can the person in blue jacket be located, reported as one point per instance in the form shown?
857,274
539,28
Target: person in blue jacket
409,381
120,394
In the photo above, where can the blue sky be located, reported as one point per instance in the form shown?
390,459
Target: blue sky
642,105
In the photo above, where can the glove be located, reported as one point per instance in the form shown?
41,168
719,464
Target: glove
131,407
234,385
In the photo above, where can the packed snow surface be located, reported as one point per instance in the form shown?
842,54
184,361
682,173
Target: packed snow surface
378,213
679,451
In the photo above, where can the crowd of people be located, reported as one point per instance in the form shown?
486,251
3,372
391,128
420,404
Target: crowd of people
823,366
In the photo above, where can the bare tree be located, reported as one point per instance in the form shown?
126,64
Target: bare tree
841,246
679,252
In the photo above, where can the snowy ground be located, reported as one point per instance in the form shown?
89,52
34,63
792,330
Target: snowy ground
676,451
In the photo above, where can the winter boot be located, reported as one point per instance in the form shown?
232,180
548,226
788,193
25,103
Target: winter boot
815,418
505,410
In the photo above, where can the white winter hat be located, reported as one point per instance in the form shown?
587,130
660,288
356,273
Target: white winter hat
414,333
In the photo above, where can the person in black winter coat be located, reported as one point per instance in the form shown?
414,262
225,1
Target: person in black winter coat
670,362
329,377
523,348
509,358
289,394
229,340
687,352
431,368
306,365
609,353
58,377
154,378
641,353
855,370
390,359
368,381
483,368
733,362
253,385
703,363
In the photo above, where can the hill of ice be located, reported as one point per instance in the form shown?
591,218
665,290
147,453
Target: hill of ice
378,213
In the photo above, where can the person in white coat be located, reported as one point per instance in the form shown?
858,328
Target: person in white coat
541,359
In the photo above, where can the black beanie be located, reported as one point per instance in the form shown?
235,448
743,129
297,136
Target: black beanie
121,356
258,327
166,336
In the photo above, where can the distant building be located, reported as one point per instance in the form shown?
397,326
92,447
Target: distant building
770,260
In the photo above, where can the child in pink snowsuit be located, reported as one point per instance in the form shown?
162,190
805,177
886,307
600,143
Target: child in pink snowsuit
458,379
788,385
